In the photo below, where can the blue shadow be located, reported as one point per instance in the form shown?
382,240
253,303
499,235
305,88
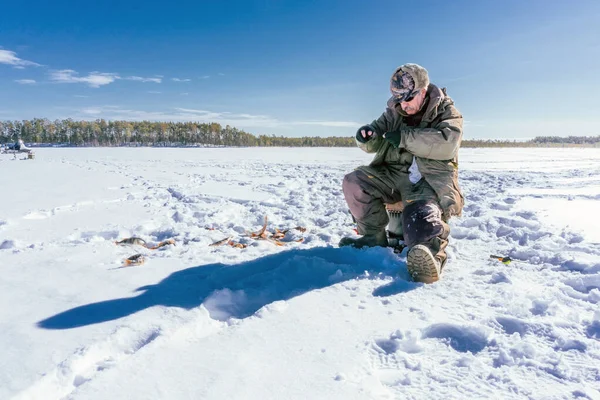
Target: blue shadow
239,290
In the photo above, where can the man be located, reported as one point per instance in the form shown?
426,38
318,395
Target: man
416,142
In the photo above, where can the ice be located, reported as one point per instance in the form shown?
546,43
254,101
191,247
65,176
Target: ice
306,320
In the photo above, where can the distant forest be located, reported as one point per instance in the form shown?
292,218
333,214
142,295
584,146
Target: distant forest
172,134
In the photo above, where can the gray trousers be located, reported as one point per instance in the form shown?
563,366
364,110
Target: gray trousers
422,223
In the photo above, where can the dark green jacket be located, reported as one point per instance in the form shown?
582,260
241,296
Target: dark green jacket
434,142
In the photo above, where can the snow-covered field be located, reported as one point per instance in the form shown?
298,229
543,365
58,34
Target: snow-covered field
306,320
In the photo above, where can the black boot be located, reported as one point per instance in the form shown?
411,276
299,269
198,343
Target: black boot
422,265
373,240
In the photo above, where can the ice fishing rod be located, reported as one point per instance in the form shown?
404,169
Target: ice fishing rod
504,260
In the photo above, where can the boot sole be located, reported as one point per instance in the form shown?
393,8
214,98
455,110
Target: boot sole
421,265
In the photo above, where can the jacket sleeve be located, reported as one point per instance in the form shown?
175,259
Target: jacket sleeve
440,142
381,126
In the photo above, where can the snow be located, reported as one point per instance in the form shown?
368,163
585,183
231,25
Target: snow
306,320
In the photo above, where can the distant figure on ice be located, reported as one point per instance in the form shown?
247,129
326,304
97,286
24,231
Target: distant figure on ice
20,147
16,148
414,172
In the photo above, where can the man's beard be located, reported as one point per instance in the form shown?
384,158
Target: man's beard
410,109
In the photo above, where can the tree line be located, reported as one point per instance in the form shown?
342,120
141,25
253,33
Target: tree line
101,132
539,141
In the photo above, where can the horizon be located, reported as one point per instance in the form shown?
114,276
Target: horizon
293,70
483,139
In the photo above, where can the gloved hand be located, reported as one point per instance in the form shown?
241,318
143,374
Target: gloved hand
393,138
365,133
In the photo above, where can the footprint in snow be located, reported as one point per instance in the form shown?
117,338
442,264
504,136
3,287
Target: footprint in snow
584,284
499,277
500,206
401,368
461,338
8,244
512,325
541,307
519,223
399,341
388,359
526,215
83,365
459,232
593,330
470,222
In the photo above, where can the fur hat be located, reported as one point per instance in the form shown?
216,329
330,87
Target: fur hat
408,78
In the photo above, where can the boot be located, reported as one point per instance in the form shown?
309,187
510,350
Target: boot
394,230
372,240
422,265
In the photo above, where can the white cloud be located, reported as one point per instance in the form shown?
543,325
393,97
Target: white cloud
184,94
180,80
205,77
10,58
25,81
140,79
154,92
81,96
92,111
221,74
203,116
94,79
335,124
183,114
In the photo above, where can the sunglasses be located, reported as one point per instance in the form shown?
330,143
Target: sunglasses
408,96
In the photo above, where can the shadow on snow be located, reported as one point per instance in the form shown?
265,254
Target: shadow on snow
239,290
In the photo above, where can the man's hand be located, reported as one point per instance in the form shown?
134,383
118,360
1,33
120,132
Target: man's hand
393,138
365,133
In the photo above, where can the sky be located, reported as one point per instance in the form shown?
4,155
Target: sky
515,69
